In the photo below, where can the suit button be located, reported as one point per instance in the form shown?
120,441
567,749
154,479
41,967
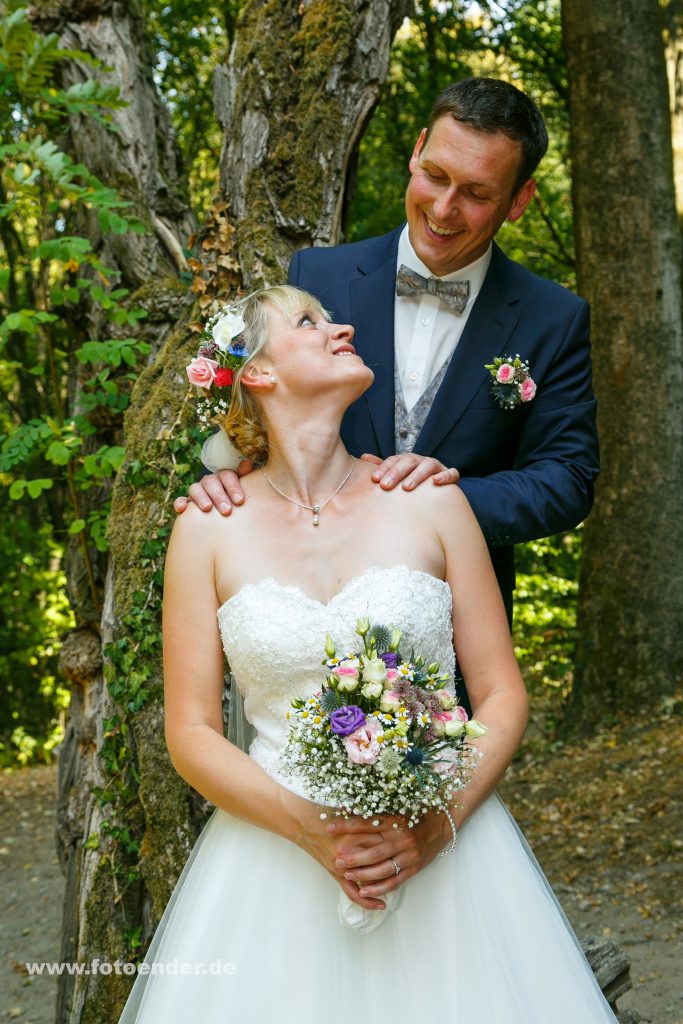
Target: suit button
403,432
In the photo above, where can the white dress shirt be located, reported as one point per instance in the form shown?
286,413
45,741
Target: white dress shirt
426,330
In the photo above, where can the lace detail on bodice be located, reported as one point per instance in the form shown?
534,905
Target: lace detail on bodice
274,639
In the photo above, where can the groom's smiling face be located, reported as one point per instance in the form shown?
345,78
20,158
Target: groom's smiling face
463,186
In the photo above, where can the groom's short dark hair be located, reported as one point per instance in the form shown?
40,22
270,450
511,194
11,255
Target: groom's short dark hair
492,106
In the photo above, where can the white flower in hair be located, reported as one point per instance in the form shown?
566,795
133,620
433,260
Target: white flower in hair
226,328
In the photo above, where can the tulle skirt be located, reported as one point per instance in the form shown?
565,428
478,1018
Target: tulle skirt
251,934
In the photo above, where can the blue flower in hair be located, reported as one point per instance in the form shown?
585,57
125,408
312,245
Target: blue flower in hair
238,348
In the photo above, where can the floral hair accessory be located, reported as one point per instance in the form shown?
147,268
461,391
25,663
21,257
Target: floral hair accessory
221,353
512,383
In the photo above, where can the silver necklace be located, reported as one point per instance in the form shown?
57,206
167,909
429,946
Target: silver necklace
315,509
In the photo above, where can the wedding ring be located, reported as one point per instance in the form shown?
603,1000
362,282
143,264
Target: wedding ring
396,867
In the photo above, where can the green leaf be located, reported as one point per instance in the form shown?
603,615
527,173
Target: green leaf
36,487
77,526
65,248
114,456
58,453
17,489
118,224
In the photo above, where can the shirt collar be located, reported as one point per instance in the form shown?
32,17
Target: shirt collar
474,272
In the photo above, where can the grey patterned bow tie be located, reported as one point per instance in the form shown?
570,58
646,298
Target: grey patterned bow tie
454,293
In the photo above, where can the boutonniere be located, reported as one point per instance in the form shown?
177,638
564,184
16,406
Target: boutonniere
512,383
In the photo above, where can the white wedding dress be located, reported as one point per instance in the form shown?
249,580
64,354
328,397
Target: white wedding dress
477,938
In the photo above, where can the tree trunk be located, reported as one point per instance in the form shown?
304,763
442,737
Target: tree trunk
292,120
142,163
673,39
630,647
299,87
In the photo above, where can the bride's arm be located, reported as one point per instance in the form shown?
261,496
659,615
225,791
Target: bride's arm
193,687
494,685
485,655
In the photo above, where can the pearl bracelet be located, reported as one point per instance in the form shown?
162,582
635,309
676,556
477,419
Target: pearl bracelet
451,846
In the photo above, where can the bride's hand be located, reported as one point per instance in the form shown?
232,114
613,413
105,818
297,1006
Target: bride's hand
328,848
370,865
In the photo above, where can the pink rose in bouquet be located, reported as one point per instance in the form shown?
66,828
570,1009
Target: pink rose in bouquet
391,701
449,761
505,373
362,746
348,677
449,723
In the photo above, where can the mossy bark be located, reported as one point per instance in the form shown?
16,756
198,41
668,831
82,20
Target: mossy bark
299,88
673,37
294,99
630,648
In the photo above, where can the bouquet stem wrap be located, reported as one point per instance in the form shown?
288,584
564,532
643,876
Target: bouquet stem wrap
362,920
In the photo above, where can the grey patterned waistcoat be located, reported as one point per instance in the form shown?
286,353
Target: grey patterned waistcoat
407,425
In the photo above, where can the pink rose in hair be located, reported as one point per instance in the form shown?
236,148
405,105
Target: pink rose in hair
505,373
362,746
527,390
201,372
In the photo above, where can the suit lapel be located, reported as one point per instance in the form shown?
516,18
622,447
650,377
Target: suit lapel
372,315
486,335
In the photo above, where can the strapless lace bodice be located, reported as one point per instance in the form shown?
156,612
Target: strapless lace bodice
274,639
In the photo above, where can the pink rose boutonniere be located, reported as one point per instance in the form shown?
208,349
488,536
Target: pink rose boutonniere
512,383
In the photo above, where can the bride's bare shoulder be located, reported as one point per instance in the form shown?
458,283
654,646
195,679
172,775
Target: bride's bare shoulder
193,523
443,507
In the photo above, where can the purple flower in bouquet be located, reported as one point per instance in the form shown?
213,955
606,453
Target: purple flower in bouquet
390,659
346,720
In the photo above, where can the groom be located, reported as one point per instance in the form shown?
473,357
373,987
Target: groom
435,301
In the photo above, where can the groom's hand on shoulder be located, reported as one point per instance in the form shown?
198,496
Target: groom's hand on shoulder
219,490
410,470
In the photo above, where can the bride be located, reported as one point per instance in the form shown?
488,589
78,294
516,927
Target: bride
252,926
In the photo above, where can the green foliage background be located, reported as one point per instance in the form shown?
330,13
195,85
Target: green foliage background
47,271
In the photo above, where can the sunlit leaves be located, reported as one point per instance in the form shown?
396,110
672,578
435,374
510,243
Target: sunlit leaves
34,488
113,352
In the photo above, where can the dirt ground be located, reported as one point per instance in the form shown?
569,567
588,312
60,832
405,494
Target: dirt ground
604,819
31,892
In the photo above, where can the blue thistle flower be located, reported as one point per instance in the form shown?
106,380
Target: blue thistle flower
415,756
238,349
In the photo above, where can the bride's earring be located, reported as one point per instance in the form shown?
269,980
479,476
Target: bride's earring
273,378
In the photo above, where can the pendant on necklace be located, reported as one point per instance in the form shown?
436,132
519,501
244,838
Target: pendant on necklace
316,515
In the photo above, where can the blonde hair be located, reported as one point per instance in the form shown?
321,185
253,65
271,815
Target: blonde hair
243,422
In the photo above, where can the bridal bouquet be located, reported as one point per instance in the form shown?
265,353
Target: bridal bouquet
383,735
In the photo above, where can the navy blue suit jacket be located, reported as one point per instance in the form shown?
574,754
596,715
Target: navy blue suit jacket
527,472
